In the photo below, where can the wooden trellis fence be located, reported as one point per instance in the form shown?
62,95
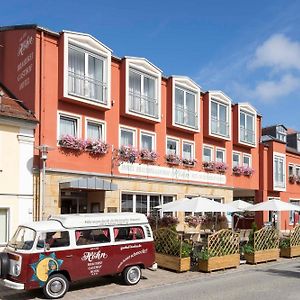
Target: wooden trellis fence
295,236
266,238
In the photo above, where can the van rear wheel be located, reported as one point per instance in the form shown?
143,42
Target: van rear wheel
4,264
56,287
132,275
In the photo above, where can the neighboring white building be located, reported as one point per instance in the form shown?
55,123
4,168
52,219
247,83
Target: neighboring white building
17,126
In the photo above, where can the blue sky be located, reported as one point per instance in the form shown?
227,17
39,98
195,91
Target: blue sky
248,49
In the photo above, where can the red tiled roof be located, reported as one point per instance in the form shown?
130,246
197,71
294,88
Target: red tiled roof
291,130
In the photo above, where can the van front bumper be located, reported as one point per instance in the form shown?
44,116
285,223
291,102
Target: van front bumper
12,284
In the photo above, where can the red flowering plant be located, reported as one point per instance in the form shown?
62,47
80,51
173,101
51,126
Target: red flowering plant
292,178
194,221
237,170
71,142
127,154
96,147
146,154
173,159
221,167
248,171
209,165
189,161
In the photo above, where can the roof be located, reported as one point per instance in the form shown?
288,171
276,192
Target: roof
99,219
268,138
44,225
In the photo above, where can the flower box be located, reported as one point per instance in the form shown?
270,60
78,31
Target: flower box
292,178
148,155
219,263
127,154
290,252
173,159
221,167
262,256
72,143
208,166
96,147
237,170
173,262
248,171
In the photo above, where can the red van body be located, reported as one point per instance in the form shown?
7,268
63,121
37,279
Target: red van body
50,254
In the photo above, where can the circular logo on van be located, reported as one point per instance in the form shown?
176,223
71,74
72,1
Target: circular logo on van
44,266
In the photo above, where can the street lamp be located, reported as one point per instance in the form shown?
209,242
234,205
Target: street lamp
44,149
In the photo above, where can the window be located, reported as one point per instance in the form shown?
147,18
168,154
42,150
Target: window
56,239
281,133
86,74
219,118
235,159
95,130
127,137
247,133
172,146
297,171
246,160
187,151
186,108
92,236
3,225
127,203
68,126
128,233
291,170
141,204
279,171
147,141
220,155
207,154
293,215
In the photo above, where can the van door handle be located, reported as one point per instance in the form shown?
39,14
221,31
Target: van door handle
69,256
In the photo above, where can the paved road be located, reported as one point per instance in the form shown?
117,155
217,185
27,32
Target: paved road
272,281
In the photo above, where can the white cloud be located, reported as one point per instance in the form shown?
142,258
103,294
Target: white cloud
278,52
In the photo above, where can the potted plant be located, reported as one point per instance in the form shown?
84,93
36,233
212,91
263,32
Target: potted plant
189,162
208,166
96,147
149,155
298,179
290,246
237,170
292,178
127,154
71,142
173,159
221,167
171,251
221,252
248,171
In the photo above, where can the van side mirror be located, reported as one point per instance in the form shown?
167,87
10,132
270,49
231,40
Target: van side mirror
47,246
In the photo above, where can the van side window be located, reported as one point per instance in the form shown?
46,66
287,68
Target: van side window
128,233
57,239
92,236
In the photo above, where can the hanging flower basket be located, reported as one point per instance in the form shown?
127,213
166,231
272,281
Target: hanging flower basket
127,154
221,167
148,155
72,142
209,166
96,147
173,159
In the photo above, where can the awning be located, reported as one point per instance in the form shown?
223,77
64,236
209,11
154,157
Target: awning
89,183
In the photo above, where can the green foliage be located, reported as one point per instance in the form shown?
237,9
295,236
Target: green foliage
204,254
186,250
247,248
285,243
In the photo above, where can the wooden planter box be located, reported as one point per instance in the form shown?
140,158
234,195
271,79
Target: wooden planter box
219,263
173,262
290,252
262,256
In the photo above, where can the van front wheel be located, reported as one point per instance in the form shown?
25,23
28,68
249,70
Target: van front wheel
56,287
132,275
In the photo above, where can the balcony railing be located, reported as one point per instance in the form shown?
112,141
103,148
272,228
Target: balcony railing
144,105
186,117
87,87
219,127
247,136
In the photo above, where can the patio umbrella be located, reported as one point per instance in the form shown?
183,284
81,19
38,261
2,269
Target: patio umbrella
274,205
197,204
238,205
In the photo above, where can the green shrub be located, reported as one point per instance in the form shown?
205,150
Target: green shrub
285,243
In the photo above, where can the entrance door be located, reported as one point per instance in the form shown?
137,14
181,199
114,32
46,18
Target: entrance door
73,202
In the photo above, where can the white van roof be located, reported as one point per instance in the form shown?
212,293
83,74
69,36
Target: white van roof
45,226
99,219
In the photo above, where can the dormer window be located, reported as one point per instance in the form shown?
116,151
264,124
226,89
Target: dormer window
247,124
219,115
143,85
87,69
281,133
186,103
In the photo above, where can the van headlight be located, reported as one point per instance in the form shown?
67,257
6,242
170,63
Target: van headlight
17,269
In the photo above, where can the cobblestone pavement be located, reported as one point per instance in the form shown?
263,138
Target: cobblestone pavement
98,288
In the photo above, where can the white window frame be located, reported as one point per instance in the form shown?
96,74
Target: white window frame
8,225
223,150
282,187
250,159
192,148
187,85
221,98
246,108
291,213
211,151
91,45
177,152
128,129
76,117
98,122
153,136
297,167
143,66
281,133
239,155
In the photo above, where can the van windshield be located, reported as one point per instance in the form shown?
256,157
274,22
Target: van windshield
23,238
